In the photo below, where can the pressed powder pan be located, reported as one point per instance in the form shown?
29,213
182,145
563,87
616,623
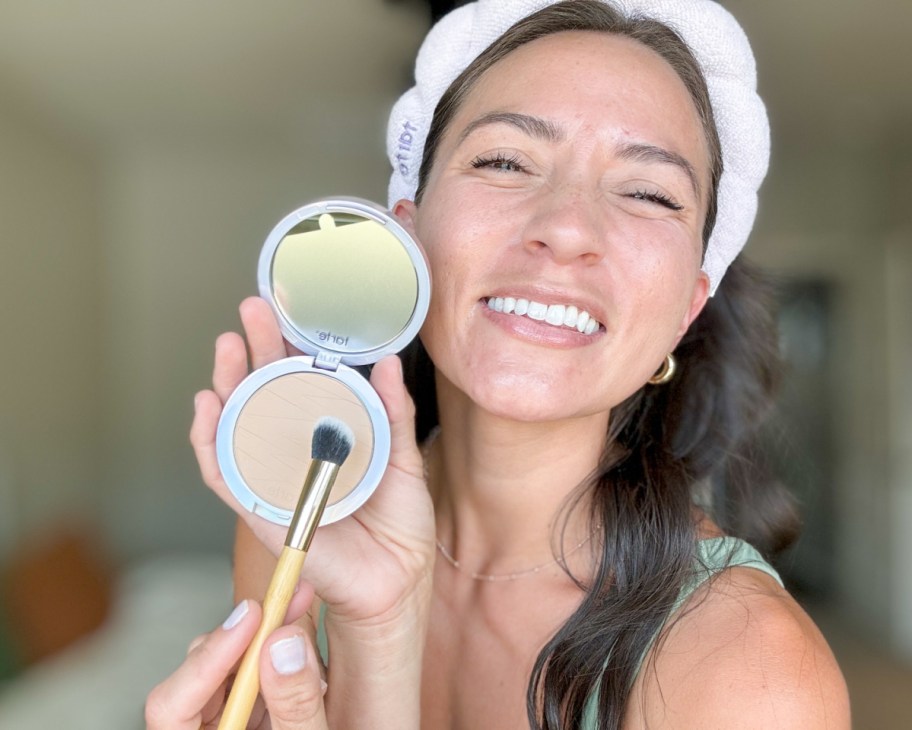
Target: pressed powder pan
348,286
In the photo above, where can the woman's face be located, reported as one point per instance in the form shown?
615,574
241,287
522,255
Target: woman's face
574,177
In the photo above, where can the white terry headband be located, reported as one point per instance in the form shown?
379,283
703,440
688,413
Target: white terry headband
713,36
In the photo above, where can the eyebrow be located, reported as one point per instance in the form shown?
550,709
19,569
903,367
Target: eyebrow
650,153
532,126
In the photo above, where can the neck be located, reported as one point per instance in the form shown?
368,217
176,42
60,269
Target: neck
499,485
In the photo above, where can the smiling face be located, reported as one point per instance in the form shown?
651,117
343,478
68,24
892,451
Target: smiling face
570,187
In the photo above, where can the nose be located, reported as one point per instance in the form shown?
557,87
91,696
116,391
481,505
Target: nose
565,225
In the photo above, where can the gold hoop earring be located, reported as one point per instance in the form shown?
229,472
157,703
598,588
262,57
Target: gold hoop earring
666,372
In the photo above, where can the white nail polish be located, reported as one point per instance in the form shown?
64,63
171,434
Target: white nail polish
235,617
288,655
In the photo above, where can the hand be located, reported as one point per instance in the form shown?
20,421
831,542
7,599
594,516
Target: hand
385,552
290,684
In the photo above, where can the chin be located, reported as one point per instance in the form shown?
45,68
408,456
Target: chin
529,398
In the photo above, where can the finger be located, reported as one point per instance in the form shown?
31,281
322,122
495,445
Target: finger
230,366
300,602
290,681
386,377
207,409
212,710
263,334
178,703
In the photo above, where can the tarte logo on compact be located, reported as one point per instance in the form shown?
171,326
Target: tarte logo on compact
333,338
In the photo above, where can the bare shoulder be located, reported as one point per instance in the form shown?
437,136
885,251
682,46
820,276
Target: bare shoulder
740,654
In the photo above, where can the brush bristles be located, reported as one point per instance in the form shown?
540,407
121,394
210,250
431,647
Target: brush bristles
332,440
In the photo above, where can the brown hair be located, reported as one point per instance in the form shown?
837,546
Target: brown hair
663,441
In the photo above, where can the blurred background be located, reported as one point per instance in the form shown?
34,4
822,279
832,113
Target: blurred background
145,151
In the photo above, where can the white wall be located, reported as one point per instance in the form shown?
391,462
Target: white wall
50,345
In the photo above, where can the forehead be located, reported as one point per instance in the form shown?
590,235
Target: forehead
591,78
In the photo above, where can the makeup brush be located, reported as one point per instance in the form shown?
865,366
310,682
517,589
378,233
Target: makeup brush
332,443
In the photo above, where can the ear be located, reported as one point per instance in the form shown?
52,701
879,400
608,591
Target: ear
697,302
406,213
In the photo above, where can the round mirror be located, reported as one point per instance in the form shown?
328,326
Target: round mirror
344,277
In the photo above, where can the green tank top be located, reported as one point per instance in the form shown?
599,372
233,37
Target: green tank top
713,556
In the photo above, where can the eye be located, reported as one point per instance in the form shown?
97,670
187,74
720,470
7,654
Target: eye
499,162
654,196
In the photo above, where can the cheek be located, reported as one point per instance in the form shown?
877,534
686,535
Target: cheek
661,258
656,291
460,248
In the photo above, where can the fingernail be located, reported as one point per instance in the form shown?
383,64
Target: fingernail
235,617
196,402
288,655
323,686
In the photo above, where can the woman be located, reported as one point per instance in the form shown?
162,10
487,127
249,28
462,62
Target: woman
572,173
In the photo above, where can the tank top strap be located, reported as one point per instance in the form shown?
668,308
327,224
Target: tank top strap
715,554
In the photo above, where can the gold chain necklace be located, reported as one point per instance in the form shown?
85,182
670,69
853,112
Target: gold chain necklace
494,577
489,577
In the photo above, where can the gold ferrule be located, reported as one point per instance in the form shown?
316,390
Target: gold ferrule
317,485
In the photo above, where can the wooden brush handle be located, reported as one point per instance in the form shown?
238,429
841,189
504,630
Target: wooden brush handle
247,682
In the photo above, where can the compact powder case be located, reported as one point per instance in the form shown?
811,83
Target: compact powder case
349,286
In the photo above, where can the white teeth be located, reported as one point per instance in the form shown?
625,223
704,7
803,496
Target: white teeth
582,320
559,315
555,314
537,311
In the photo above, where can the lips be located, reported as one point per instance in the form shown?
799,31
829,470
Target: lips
557,315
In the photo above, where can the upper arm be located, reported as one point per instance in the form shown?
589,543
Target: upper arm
742,655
